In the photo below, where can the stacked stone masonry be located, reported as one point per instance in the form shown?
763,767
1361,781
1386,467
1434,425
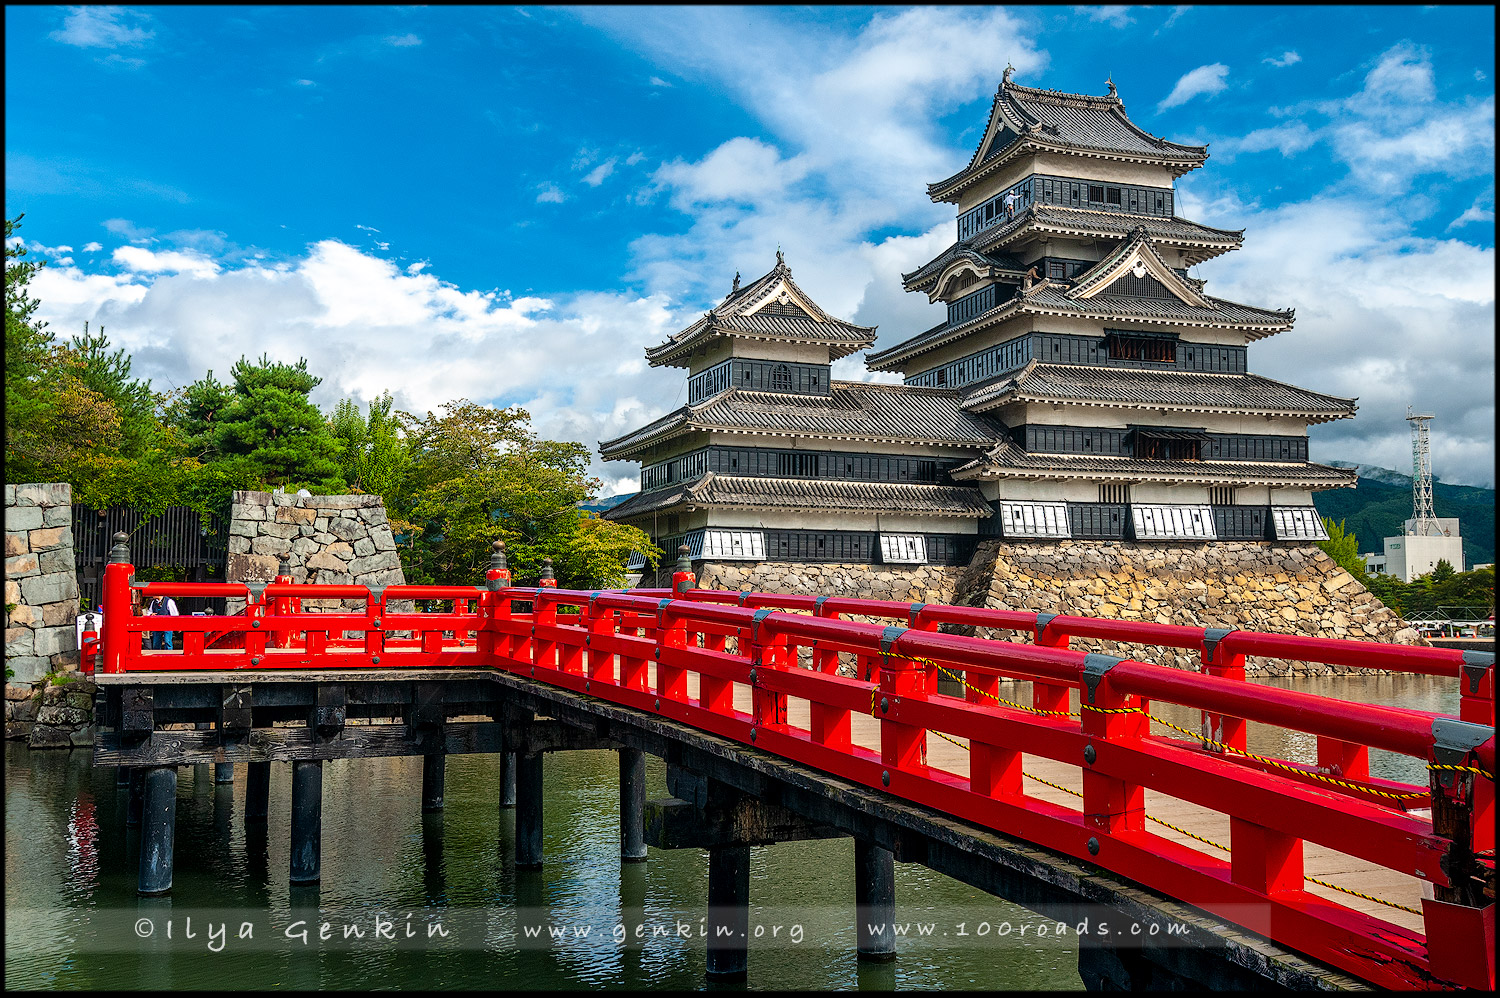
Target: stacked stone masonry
41,582
1251,585
332,540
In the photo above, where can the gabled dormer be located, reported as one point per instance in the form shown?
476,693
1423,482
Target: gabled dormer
768,335
1136,268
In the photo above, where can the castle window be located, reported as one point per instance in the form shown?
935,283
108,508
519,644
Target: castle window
942,376
907,549
1056,269
1157,349
1298,523
1116,493
781,379
798,465
1153,522
1221,497
741,545
1096,193
1112,195
1034,519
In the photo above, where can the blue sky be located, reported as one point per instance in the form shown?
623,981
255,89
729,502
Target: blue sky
510,204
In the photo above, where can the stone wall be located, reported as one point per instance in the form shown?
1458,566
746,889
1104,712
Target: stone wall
905,583
1253,585
41,582
334,540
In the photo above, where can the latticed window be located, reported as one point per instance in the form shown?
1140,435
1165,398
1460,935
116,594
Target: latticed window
1221,496
1159,349
1114,493
781,379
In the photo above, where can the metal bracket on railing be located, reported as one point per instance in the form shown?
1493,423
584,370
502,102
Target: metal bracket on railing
818,604
660,606
376,592
1211,638
1476,664
756,619
1042,620
888,638
743,595
257,590
911,616
137,585
1094,668
592,597
1453,740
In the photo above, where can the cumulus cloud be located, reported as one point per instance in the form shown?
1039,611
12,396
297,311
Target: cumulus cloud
1482,210
1287,58
1115,17
92,247
550,193
144,261
1203,81
600,173
104,27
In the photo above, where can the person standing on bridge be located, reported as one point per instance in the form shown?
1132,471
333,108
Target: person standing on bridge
162,606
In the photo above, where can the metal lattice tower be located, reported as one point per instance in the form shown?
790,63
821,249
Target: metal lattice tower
1424,519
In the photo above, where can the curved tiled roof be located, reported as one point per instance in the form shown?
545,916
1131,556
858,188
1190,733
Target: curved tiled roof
808,494
745,312
1116,386
1052,119
921,278
852,410
1174,231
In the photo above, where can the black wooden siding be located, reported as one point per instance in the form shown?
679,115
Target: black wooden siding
1067,348
175,538
848,546
766,462
1043,439
1129,199
759,376
1106,520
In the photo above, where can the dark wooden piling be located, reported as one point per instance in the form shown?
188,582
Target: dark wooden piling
137,797
507,779
433,770
307,821
158,829
632,805
874,901
223,772
257,792
728,912
529,811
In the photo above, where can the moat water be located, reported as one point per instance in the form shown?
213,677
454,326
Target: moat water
73,920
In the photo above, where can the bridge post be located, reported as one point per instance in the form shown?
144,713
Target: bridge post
874,901
433,772
632,805
257,792
307,821
223,772
529,811
117,574
683,579
135,803
1233,731
728,912
158,829
507,780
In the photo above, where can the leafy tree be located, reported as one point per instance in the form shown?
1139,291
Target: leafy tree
373,452
197,413
28,347
108,373
1442,571
272,426
1343,548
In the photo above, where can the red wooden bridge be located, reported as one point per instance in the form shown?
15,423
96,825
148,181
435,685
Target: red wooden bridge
1391,883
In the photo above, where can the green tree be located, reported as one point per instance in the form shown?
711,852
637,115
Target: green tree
1343,548
272,426
373,452
197,412
1442,571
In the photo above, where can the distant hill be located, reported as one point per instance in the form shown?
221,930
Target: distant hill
1378,506
610,502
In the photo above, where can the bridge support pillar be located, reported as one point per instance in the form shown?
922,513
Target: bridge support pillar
135,802
158,829
122,776
507,779
728,912
307,821
257,792
632,805
223,772
433,771
529,811
874,901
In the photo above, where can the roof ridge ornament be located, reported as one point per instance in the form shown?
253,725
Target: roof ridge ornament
781,260
1111,84
1005,76
734,288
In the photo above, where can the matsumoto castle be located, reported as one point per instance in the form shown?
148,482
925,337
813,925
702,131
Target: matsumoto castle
1082,386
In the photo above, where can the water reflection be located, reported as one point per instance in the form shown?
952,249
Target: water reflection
71,880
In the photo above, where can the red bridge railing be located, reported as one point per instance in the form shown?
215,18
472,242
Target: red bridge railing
639,648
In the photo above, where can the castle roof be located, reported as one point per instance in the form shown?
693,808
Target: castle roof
771,308
1180,391
807,495
1026,119
857,411
961,255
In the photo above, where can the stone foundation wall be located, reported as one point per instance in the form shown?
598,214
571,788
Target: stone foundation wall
41,582
334,540
905,583
1253,585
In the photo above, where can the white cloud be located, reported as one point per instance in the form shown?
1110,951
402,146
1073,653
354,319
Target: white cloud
1205,80
128,229
1117,17
1288,139
305,83
1177,12
1482,210
550,193
657,81
103,27
600,173
1287,58
92,247
403,41
140,260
